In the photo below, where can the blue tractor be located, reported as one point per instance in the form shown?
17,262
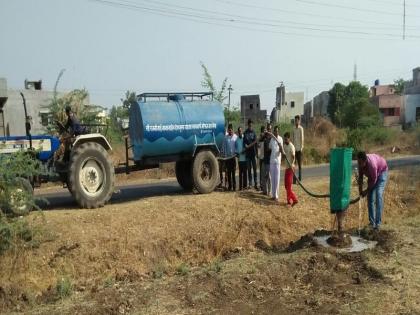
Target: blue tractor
81,163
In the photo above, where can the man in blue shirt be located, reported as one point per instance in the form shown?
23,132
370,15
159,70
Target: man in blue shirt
229,153
250,143
240,151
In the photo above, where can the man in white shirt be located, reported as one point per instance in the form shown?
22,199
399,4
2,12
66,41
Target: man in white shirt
229,153
298,140
261,155
276,147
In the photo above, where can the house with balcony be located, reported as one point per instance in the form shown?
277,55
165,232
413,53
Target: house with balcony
251,108
390,104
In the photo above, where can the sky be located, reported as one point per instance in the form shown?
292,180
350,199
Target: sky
111,46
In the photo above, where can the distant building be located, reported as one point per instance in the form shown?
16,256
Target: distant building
307,113
293,105
280,95
12,115
251,108
320,104
390,104
412,99
288,105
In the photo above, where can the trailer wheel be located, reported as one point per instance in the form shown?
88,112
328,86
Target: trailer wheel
205,172
21,197
91,175
184,174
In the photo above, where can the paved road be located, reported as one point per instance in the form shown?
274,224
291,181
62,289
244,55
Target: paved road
63,200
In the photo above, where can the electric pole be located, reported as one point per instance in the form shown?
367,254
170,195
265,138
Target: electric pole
230,89
404,22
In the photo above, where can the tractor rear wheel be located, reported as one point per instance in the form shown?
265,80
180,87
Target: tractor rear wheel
91,175
205,172
183,171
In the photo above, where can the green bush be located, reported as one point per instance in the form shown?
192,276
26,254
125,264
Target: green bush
18,233
315,156
380,135
6,236
354,139
64,287
183,269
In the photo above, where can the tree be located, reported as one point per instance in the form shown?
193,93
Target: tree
207,82
399,86
233,115
130,97
77,100
349,106
336,102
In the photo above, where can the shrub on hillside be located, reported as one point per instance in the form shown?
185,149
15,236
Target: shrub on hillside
354,139
15,169
380,135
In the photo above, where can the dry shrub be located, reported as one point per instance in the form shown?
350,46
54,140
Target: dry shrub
320,137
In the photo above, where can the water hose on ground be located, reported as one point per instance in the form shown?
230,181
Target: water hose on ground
312,194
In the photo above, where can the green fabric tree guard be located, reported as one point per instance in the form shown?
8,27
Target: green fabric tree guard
340,178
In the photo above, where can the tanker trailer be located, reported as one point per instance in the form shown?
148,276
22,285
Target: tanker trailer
186,128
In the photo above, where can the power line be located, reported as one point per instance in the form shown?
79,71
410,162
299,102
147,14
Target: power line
199,18
233,3
394,3
248,18
351,8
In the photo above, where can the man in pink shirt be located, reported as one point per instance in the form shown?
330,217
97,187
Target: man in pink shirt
374,167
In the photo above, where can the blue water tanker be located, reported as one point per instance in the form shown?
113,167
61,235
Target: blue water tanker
186,128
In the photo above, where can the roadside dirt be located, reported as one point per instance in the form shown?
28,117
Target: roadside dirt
220,253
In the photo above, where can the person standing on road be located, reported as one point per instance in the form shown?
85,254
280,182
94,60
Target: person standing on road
276,147
298,140
261,154
229,153
375,168
266,180
250,142
222,167
240,151
289,150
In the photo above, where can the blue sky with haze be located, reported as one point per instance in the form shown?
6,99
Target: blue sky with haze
112,46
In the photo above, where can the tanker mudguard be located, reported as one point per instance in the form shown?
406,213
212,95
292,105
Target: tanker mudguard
177,125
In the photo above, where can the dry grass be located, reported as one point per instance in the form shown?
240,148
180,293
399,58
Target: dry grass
159,234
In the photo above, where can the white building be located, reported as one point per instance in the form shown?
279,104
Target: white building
12,113
293,105
412,99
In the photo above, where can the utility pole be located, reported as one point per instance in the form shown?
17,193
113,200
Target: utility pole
355,72
230,89
404,22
